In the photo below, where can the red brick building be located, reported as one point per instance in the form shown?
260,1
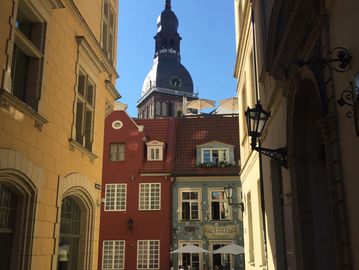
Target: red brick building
135,229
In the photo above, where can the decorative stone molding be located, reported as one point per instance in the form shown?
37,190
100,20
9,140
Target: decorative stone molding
21,165
76,145
4,103
56,4
73,7
19,173
83,190
7,100
112,89
107,68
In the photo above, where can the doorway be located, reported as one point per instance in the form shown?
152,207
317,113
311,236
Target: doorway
314,217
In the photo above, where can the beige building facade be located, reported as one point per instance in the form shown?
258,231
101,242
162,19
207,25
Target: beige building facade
300,57
57,81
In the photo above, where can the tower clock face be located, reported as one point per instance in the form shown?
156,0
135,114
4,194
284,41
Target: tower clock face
175,82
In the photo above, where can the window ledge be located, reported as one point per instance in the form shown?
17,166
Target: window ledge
76,145
221,164
8,100
56,4
189,221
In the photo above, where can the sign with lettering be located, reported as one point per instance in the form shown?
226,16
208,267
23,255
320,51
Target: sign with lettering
221,231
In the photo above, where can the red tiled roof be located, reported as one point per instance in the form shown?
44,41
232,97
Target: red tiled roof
161,130
155,129
192,132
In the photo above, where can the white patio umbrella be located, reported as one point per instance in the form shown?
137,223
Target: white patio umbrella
190,249
233,249
229,104
201,104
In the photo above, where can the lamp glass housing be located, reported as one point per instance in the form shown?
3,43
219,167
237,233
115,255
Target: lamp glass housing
228,191
256,119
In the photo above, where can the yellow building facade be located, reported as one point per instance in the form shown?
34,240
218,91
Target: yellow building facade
299,59
254,233
57,81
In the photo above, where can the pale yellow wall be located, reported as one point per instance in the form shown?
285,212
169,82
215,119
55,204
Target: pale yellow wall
48,150
249,159
250,183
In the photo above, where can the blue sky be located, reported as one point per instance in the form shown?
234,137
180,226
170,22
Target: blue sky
207,46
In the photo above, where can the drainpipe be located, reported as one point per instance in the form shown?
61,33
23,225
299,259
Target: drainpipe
259,143
261,182
173,181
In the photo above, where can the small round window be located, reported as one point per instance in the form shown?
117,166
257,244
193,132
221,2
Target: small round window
117,124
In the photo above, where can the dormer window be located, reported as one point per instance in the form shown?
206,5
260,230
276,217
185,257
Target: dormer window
215,153
155,150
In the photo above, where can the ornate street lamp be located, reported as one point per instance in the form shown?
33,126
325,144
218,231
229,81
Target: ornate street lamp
130,224
228,192
256,119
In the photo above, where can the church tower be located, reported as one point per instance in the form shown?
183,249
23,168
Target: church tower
168,85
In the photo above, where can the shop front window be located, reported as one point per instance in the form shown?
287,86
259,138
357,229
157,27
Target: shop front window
221,261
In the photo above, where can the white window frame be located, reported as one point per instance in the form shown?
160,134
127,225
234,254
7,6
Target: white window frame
198,200
221,156
117,200
221,200
220,242
87,106
146,259
151,197
120,256
109,47
117,154
196,243
155,151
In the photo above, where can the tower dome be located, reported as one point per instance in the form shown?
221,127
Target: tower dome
168,84
167,72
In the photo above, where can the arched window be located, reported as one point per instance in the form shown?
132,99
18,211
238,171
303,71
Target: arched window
164,43
8,201
18,198
69,235
170,109
147,112
172,44
158,108
151,110
164,109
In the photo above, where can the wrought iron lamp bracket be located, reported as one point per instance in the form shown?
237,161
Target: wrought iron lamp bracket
240,205
350,97
347,98
339,60
279,154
